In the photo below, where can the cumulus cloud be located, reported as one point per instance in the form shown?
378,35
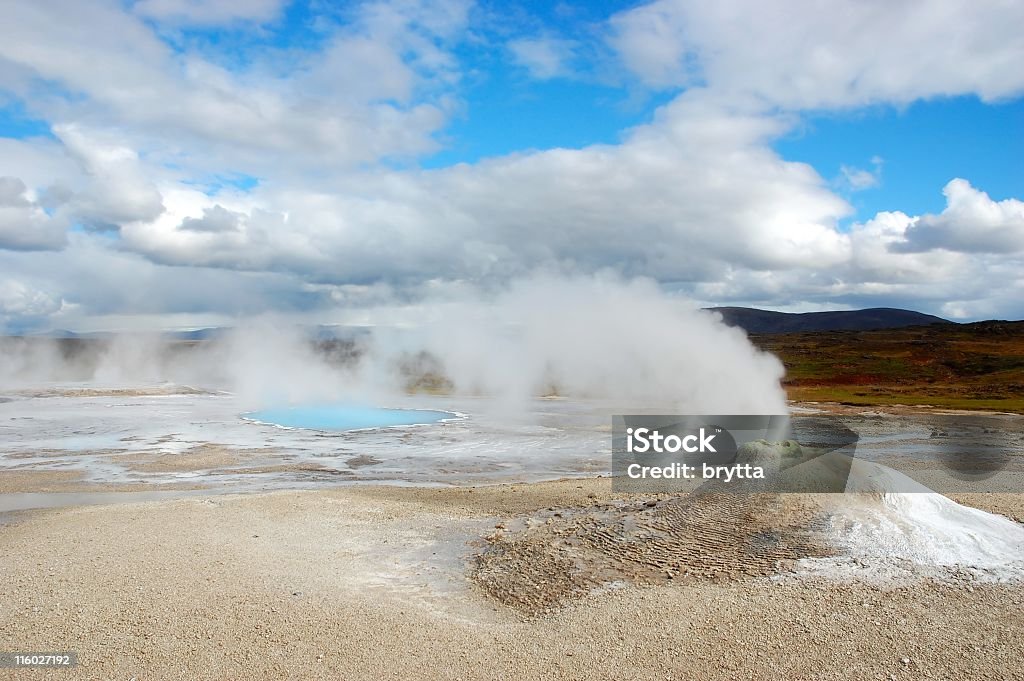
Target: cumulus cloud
24,225
653,44
681,200
392,50
215,219
810,55
116,190
695,198
38,162
971,223
23,307
312,112
108,288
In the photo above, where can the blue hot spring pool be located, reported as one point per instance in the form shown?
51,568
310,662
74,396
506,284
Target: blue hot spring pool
347,417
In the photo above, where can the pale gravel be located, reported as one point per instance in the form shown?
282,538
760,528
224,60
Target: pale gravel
370,583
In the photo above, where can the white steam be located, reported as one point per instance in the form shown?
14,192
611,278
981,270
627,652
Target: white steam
597,337
585,337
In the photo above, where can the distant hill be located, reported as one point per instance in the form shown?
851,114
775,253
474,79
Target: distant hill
979,365
753,320
749,319
194,334
63,333
315,333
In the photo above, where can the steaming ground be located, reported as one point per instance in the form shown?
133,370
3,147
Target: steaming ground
557,580
116,411
72,438
394,553
88,437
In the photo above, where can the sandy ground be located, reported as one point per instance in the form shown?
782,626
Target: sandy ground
145,391
385,583
75,482
841,409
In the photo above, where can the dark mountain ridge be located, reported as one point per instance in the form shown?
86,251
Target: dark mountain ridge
753,320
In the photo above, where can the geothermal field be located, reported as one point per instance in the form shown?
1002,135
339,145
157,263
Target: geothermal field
464,340
268,504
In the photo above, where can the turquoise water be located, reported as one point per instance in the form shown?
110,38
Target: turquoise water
346,417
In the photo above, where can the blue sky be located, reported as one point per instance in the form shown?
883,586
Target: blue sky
17,123
315,159
922,147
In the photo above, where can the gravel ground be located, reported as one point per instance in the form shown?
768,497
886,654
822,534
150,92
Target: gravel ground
373,583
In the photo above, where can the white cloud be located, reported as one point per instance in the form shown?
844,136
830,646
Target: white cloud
390,51
115,190
697,198
837,54
696,193
971,223
24,225
653,44
544,58
377,92
215,219
875,260
99,286
23,306
856,179
37,161
206,13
